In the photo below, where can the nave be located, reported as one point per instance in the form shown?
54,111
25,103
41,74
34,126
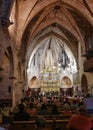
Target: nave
46,49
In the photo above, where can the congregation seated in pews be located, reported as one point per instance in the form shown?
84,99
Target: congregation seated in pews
56,111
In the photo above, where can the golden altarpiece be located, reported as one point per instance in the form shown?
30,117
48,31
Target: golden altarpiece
50,80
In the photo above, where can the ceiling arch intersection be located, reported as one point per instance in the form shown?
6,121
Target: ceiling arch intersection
27,10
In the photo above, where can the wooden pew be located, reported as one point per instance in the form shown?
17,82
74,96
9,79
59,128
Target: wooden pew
23,125
60,124
50,125
60,117
30,125
47,117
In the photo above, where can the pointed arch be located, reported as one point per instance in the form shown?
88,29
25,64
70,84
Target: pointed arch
84,84
34,82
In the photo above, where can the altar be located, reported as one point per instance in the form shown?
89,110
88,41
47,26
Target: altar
49,81
53,68
49,86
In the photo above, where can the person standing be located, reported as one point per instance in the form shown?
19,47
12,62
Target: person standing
88,102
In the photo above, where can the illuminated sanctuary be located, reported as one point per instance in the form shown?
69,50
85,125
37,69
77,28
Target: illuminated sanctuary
53,66
45,46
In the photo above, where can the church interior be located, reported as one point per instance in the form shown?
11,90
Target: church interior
46,49
46,46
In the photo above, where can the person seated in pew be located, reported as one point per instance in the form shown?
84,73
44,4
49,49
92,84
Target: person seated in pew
44,110
54,110
66,103
40,123
31,110
21,115
80,122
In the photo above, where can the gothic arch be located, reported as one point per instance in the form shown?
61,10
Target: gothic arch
66,82
34,82
84,84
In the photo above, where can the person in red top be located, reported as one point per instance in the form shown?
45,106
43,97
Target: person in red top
80,122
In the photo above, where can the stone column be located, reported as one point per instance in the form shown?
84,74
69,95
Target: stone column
80,62
17,93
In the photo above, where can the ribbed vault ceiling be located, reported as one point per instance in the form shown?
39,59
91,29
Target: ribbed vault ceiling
74,18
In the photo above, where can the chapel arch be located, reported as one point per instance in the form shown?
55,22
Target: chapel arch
34,82
84,84
66,82
66,87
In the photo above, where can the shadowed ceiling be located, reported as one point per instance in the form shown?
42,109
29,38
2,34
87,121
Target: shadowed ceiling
74,19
